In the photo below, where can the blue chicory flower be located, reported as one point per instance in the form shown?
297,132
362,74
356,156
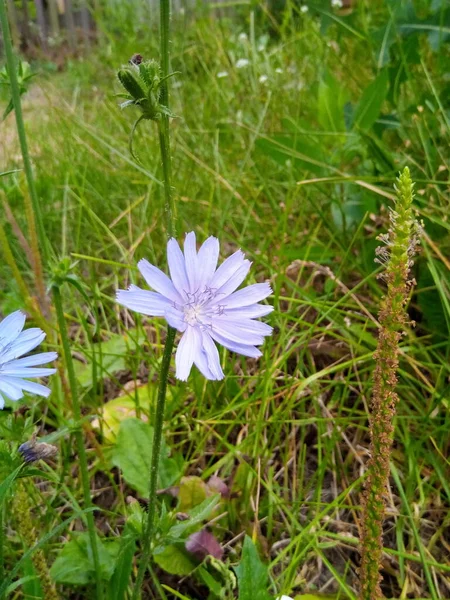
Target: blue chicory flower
14,342
201,302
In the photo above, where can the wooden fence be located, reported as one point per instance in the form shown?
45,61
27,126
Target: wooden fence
44,24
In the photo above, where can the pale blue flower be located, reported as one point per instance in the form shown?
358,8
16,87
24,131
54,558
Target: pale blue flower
14,342
203,304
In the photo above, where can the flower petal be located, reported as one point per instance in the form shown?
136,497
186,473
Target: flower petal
208,256
10,370
233,283
175,318
177,267
33,360
26,341
201,362
159,281
241,324
2,402
19,385
212,356
10,327
232,332
10,389
245,349
191,261
248,295
227,269
187,352
249,312
143,301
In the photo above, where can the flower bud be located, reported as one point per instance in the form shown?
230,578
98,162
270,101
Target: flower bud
33,451
131,83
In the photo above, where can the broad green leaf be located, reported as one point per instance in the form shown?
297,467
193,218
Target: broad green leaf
132,453
368,108
110,358
331,99
192,492
121,408
252,574
75,565
174,560
197,515
282,148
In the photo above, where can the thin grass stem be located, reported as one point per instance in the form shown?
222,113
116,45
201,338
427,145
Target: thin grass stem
78,434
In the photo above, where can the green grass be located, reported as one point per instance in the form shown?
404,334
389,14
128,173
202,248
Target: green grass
297,170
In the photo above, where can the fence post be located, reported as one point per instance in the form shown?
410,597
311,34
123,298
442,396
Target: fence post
70,25
12,14
26,23
54,18
40,15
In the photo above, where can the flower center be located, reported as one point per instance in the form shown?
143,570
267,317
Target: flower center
197,309
192,314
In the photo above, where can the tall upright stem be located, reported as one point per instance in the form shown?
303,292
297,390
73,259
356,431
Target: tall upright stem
154,466
78,434
401,243
164,142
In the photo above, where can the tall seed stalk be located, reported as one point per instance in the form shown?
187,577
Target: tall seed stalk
400,245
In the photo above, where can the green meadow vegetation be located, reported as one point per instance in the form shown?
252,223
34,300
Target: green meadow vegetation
290,129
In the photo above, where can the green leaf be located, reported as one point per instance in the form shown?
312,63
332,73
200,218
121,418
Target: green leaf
7,483
304,156
119,582
133,453
369,107
252,574
110,356
331,100
122,408
174,560
197,515
75,564
192,492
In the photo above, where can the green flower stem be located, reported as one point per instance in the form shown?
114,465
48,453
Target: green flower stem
164,142
15,93
154,467
78,434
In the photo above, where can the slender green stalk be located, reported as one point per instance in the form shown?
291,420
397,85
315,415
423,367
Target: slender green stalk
154,466
15,93
400,246
78,434
164,142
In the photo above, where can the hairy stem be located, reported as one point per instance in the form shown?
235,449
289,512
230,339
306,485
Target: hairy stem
78,434
164,142
154,466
